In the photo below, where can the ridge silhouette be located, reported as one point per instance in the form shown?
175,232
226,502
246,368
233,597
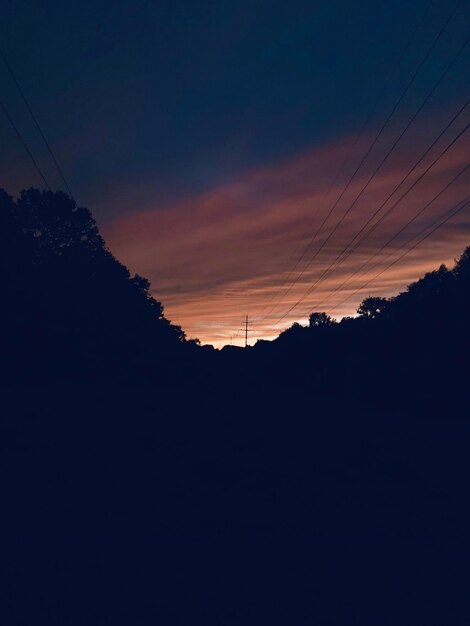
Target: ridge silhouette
71,311
138,486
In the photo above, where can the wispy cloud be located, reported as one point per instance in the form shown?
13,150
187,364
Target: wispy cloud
217,256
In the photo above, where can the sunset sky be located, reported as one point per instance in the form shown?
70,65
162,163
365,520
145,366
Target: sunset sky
211,139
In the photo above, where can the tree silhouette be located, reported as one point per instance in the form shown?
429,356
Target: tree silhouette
462,266
70,306
295,330
372,307
71,311
320,319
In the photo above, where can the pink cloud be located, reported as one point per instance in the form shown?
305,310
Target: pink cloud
215,257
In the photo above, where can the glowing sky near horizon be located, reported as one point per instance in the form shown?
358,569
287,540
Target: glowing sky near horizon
216,256
204,137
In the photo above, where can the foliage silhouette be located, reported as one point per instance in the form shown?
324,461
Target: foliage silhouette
372,306
72,311
70,308
408,350
320,319
320,456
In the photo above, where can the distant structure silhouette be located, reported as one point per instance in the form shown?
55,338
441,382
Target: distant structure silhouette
114,424
73,312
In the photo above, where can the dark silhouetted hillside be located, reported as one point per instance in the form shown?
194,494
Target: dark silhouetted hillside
321,478
70,310
406,353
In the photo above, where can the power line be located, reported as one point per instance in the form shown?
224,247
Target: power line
450,214
426,206
25,145
334,180
403,180
414,218
36,122
413,118
338,257
398,201
421,211
395,204
365,186
374,142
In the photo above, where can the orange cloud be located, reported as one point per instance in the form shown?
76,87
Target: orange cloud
222,254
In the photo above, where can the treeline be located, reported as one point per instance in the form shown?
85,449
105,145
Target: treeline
70,310
407,352
435,302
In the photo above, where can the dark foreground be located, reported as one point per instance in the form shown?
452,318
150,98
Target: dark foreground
319,479
191,506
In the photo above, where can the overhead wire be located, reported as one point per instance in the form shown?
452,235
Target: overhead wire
355,141
428,204
403,180
402,229
395,204
384,159
38,126
435,226
25,145
338,257
372,145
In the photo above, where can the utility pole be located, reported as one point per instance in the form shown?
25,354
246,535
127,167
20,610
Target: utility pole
246,330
